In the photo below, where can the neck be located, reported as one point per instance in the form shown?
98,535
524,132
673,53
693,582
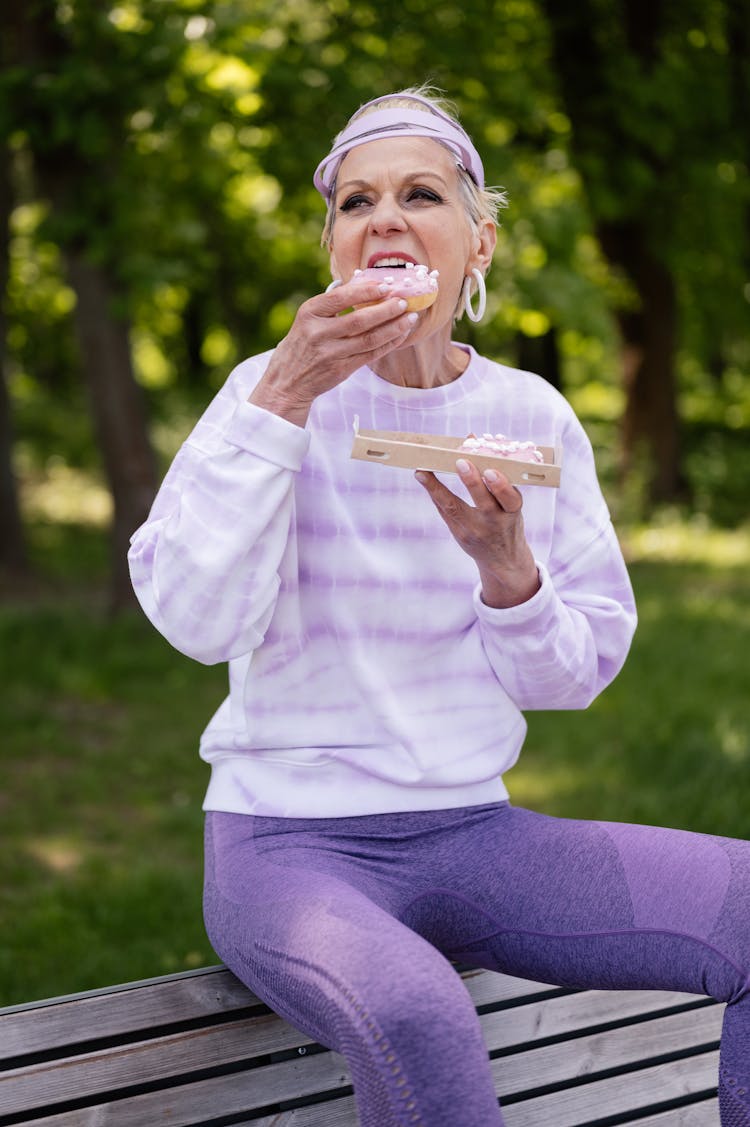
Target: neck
432,362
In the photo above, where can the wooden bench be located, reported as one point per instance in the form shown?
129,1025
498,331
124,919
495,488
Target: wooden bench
199,1048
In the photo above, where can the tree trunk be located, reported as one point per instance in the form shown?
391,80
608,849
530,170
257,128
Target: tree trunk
542,355
13,557
119,412
585,59
649,337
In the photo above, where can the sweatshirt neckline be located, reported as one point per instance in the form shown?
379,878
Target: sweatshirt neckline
422,398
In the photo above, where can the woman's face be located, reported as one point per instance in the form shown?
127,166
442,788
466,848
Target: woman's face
399,198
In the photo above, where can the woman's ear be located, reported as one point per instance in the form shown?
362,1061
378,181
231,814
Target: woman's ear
484,246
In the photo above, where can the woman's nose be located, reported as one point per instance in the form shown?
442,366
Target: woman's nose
387,216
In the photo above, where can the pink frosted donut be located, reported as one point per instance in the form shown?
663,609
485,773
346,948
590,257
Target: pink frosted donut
417,285
501,446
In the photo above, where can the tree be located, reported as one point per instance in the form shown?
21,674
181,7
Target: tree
72,116
648,91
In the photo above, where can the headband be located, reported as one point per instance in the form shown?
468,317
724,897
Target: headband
399,122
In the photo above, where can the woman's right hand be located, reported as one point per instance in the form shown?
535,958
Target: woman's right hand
322,347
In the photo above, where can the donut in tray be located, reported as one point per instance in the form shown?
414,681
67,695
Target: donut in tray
501,446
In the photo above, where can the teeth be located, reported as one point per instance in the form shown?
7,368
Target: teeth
393,262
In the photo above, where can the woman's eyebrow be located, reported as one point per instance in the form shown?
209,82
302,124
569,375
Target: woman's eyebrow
410,177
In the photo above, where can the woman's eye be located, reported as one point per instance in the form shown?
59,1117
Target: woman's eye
425,194
354,201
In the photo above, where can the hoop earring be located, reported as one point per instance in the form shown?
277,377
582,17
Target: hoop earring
332,285
481,290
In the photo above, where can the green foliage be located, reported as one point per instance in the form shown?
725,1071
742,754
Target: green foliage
175,141
658,95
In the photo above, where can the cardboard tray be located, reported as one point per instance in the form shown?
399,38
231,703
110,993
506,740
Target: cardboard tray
438,453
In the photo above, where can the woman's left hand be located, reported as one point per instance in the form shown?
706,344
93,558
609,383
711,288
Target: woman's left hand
490,531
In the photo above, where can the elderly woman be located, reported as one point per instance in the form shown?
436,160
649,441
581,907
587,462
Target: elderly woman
385,632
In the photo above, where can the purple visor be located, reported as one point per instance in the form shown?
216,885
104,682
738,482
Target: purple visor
399,122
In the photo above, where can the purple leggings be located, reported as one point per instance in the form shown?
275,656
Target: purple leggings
346,926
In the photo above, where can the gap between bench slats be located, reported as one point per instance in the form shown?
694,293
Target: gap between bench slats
515,1075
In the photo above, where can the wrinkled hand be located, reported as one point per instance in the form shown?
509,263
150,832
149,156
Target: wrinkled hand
490,531
322,347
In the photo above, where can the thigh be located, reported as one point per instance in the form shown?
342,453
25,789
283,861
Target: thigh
610,904
322,953
308,941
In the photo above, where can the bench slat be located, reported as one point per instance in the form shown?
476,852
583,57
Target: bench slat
57,1022
703,1114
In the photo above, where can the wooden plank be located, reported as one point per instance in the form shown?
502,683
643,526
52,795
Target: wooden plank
703,1114
487,987
562,1016
120,1010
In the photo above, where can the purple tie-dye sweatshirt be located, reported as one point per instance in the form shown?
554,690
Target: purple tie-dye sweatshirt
365,673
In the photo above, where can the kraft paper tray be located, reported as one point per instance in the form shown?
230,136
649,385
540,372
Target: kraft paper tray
439,453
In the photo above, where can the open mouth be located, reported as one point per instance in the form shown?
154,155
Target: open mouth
390,261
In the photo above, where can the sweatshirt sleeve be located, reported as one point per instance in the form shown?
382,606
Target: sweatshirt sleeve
205,564
563,646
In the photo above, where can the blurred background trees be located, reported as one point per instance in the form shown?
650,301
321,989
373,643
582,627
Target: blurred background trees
159,223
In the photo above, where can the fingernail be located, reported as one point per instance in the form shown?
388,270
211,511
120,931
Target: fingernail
462,466
421,477
383,288
413,318
490,475
402,305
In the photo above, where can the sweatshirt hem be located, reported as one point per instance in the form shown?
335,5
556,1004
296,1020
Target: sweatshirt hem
332,790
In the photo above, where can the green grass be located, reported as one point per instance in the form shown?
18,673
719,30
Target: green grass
669,741
100,820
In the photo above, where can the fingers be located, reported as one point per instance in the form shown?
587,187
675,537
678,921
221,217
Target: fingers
345,296
444,499
489,487
364,332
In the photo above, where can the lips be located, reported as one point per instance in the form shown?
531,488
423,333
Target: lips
385,258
